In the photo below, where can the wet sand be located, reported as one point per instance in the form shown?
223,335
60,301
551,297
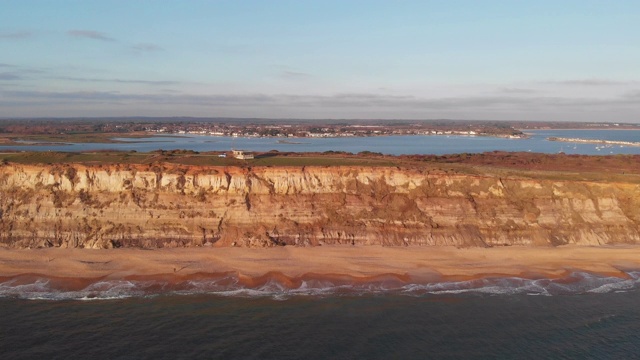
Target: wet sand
291,264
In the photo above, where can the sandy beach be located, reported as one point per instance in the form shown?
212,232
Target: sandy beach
289,264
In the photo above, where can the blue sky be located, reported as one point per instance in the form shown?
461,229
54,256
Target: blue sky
503,60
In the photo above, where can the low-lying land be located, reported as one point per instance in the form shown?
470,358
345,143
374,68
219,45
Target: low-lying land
103,130
562,165
594,141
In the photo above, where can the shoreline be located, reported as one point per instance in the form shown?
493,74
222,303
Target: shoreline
291,265
593,141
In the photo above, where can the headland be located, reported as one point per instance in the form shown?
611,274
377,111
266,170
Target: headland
417,217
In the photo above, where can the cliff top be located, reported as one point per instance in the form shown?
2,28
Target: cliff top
564,166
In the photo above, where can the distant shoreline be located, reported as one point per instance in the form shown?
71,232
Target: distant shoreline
621,128
594,141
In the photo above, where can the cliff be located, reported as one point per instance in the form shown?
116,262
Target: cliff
164,205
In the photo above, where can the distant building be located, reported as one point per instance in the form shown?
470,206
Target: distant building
242,155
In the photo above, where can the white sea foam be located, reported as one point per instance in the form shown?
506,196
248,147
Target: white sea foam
230,285
577,283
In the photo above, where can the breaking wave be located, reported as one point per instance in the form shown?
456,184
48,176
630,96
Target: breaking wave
280,287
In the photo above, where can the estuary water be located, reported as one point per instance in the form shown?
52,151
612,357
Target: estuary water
391,145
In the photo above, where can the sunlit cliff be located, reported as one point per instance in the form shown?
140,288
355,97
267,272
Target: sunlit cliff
164,205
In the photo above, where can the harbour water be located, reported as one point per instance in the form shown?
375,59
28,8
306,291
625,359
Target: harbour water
392,145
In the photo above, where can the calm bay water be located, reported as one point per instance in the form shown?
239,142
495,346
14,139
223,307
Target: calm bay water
393,145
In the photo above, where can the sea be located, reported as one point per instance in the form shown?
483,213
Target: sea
580,316
583,316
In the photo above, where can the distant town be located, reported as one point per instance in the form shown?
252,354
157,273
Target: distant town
92,129
333,130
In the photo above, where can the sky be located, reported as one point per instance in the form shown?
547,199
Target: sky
451,59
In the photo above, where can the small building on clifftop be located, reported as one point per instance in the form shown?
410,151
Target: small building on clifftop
242,155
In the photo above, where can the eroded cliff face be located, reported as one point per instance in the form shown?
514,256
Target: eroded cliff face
166,205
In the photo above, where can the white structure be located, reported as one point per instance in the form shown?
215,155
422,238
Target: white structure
242,155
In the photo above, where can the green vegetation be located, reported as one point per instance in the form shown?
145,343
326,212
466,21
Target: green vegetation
320,161
65,157
621,168
189,158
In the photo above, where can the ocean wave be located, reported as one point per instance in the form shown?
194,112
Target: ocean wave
280,287
575,283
